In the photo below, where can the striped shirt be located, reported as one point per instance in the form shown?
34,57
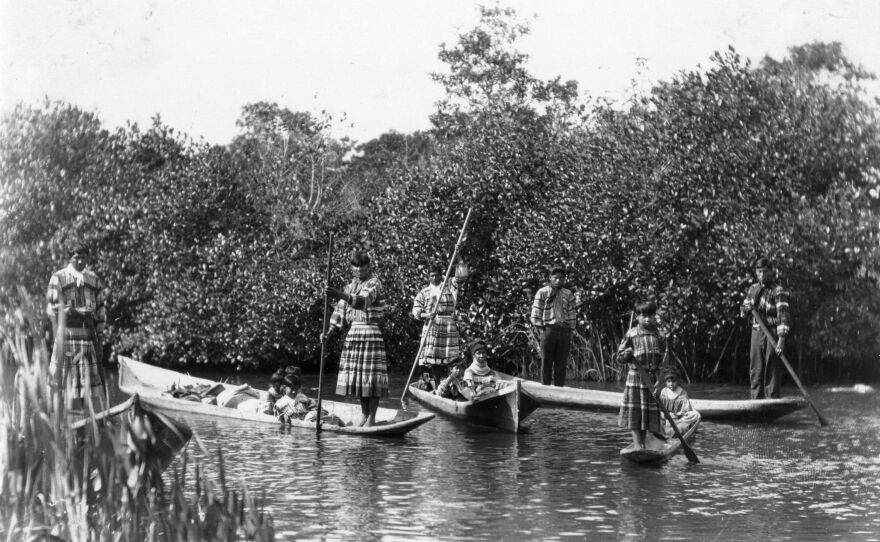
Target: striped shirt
645,344
554,308
72,290
772,303
366,307
427,297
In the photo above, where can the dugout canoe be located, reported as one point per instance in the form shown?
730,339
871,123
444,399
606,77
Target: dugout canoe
658,451
150,434
504,410
150,382
758,410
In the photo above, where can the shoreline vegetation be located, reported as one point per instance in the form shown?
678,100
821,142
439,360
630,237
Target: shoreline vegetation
212,254
100,483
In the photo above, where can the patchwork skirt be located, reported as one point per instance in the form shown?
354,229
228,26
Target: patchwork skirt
639,410
442,343
363,370
75,367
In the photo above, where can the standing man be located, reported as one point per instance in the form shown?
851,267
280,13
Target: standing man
75,297
771,302
554,316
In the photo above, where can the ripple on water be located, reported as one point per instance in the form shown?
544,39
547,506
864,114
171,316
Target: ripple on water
564,479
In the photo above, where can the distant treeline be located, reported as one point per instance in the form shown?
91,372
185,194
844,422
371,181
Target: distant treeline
214,254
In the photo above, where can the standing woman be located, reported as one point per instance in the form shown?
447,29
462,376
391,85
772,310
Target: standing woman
363,371
75,296
442,341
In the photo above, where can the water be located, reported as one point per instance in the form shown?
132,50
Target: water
564,479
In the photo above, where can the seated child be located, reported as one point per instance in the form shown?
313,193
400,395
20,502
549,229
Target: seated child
642,347
449,388
270,396
426,383
295,405
478,376
675,399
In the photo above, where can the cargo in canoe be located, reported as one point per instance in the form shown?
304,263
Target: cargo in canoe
711,409
151,382
656,450
504,409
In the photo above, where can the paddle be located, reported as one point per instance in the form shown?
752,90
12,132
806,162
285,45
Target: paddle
324,329
760,319
425,331
96,345
688,451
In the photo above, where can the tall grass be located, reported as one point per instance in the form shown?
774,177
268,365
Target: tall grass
97,482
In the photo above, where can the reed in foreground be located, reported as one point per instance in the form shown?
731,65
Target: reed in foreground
94,480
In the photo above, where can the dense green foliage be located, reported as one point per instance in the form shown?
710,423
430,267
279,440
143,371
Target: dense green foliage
215,254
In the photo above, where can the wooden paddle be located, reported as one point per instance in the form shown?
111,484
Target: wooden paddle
425,331
760,319
688,451
324,329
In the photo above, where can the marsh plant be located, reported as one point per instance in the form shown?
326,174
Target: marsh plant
73,475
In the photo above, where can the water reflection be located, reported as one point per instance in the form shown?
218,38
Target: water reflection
564,479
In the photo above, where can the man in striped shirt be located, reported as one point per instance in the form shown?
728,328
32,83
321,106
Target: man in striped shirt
554,316
771,302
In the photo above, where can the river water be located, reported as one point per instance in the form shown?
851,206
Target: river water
563,479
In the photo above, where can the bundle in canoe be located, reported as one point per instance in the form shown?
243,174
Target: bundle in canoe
503,409
150,383
656,450
711,409
150,434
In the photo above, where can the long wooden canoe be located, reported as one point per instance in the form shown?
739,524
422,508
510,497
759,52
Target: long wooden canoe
656,450
148,433
503,410
710,409
151,382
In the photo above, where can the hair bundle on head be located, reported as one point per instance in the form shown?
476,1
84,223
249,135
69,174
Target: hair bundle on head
646,308
359,258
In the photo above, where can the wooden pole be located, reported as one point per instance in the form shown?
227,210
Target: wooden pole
324,330
425,331
688,451
758,318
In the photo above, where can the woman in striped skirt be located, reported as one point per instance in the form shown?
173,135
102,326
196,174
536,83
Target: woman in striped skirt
363,371
642,345
75,306
440,333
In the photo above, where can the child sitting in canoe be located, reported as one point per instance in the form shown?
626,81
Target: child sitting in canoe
426,383
270,396
675,399
642,346
450,387
295,405
478,377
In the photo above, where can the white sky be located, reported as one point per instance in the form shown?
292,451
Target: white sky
197,62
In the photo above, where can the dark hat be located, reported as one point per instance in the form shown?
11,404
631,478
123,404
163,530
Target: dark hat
292,370
476,345
670,373
763,262
557,270
78,247
292,381
277,377
359,258
437,268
